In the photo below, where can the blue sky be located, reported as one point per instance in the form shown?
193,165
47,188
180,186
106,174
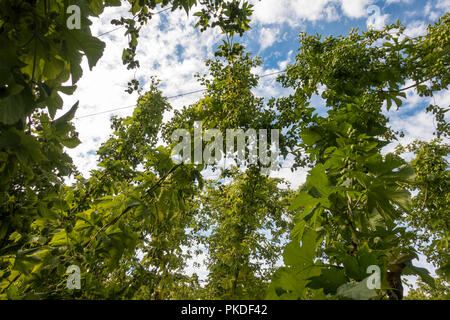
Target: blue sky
171,49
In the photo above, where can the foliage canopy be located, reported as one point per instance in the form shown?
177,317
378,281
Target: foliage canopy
136,222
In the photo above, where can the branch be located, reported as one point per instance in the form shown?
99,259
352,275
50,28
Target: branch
410,87
114,221
161,180
11,282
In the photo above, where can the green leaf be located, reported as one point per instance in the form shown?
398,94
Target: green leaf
401,197
389,104
423,273
69,90
92,47
96,7
310,137
290,282
358,291
79,40
398,102
32,147
352,268
303,200
67,116
59,239
12,109
444,271
318,179
71,142
330,280
296,255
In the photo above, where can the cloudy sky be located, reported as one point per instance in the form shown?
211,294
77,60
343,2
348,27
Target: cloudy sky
171,49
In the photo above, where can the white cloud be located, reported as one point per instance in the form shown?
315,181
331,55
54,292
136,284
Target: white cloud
331,13
355,8
416,28
419,126
433,12
376,19
311,10
443,4
388,2
442,99
294,12
268,36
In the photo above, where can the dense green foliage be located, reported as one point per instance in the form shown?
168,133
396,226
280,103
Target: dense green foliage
355,198
133,225
242,213
430,215
425,292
